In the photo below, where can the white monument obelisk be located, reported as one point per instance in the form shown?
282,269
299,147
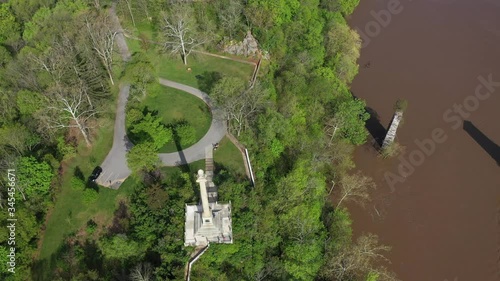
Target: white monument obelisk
207,222
207,212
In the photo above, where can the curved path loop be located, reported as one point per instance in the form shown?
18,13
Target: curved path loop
114,167
215,133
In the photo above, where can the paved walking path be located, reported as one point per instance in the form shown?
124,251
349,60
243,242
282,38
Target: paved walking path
114,167
215,133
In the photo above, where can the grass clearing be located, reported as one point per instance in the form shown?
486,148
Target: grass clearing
200,64
171,66
190,168
174,105
144,29
229,156
69,213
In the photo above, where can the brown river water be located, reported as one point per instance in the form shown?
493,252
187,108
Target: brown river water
437,205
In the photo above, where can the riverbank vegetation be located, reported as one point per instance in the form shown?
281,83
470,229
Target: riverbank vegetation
299,122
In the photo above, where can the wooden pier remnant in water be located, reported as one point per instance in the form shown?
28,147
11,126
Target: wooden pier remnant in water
391,133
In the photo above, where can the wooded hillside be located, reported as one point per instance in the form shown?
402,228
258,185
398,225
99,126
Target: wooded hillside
59,76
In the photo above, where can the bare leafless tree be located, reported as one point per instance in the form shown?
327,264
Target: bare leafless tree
18,138
331,127
97,4
144,4
130,11
52,62
69,109
141,272
270,267
102,34
302,229
179,30
230,14
239,105
355,261
355,188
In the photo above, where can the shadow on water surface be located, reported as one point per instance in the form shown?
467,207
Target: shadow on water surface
486,143
374,127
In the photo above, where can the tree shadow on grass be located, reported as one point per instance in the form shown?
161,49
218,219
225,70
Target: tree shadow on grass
92,185
146,111
43,269
223,173
79,174
207,80
183,165
64,263
121,220
92,256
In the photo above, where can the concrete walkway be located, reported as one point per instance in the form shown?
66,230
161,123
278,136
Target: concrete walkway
114,167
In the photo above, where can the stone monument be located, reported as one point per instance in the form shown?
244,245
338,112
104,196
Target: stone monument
208,222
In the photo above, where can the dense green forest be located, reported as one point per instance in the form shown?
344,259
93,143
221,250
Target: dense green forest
59,80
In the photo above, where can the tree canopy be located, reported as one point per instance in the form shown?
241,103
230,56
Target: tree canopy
34,177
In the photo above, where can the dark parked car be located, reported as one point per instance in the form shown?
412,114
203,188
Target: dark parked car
95,174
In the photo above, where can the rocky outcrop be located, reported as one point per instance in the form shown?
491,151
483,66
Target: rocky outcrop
249,47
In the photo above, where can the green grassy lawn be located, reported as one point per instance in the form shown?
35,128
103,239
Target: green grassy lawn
226,155
144,29
69,213
171,66
229,156
174,105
